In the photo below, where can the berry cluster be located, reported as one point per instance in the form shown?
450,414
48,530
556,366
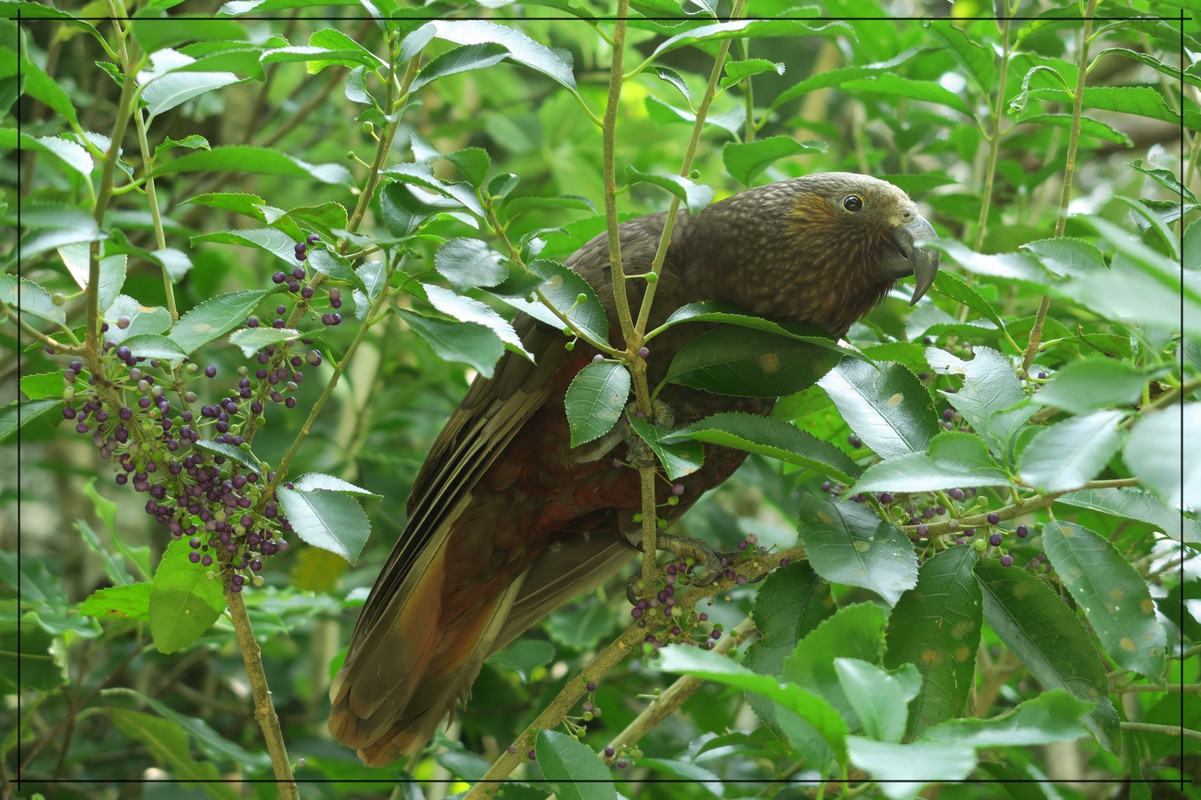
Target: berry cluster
297,282
144,415
919,511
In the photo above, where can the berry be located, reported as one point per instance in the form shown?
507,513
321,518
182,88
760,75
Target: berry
993,519
995,540
1023,531
279,277
313,238
1007,560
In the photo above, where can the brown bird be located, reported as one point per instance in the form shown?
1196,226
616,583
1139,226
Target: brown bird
507,522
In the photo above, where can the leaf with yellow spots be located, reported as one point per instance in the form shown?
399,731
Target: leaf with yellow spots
1050,640
936,625
1114,597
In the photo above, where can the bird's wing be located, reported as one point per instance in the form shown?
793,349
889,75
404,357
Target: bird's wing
492,412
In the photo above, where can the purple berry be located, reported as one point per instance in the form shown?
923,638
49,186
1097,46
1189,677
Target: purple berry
993,519
1007,560
1023,531
995,540
279,277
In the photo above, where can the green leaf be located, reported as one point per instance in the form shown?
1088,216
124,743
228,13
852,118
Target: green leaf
904,769
1114,597
896,86
848,544
1131,503
19,413
889,408
255,160
465,309
671,76
880,699
743,362
812,712
168,743
746,160
1047,637
523,657
462,194
325,519
740,70
955,459
563,288
127,600
975,57
521,47
1071,453
573,770
252,340
746,28
468,263
772,438
1066,256
951,285
465,342
184,600
143,320
30,298
176,88
517,206
244,457
1092,384
936,626
150,346
460,59
1017,267
717,311
834,77
854,631
989,397
274,241
596,399
1142,101
679,458
695,195
473,162
1053,716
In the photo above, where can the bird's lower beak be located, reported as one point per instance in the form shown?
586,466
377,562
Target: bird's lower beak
913,259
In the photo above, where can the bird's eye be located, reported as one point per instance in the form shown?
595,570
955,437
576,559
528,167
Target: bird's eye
852,203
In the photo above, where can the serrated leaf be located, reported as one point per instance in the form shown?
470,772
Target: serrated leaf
465,342
904,769
772,438
746,160
848,544
1115,599
329,520
1071,453
811,710
1049,640
1092,384
252,340
1053,716
1131,503
889,408
215,317
244,457
596,399
21,412
313,481
256,160
521,47
465,309
30,298
563,288
460,59
880,699
184,601
936,626
679,458
954,459
744,362
573,770
468,263
695,195
150,346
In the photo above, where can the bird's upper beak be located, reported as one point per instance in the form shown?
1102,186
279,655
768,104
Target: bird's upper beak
910,258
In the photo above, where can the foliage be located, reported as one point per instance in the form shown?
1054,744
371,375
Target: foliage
259,256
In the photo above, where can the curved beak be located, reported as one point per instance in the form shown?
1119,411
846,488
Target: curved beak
910,258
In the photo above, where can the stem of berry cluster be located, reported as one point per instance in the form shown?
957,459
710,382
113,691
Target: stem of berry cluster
264,709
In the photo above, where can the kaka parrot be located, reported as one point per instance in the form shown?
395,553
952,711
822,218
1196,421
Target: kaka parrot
506,521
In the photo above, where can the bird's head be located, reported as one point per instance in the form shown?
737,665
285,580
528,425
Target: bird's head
831,244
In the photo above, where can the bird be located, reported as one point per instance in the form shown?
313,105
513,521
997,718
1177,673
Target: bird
506,521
